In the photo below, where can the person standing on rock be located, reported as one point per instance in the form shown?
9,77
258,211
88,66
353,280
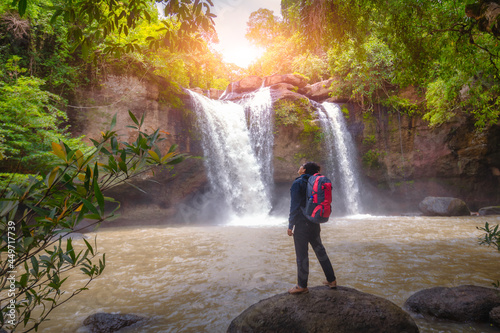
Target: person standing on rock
305,232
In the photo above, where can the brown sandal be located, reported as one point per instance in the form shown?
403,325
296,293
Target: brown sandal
298,290
331,285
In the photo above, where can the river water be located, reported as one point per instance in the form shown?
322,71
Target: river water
198,278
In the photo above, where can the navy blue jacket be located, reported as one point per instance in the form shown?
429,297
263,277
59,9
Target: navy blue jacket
298,200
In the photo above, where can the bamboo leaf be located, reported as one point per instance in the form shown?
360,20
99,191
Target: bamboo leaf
52,176
90,206
134,119
113,122
142,119
99,197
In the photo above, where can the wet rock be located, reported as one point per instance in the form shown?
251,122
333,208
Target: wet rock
108,322
492,210
324,310
495,316
237,90
443,206
465,303
198,90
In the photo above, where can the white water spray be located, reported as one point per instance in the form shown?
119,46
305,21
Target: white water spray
232,167
258,107
341,152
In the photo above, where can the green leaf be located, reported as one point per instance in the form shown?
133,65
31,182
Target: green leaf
23,281
154,155
142,119
89,247
99,197
54,17
134,119
113,122
90,206
34,264
70,250
21,7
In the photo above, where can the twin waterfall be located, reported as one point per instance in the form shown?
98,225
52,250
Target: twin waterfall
238,139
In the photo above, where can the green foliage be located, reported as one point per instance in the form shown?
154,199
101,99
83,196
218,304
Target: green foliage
441,102
38,220
278,58
263,27
403,105
369,140
312,66
291,112
286,113
73,43
371,159
16,178
345,111
29,121
378,47
365,72
491,237
89,22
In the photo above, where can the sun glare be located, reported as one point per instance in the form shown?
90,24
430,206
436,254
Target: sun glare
242,55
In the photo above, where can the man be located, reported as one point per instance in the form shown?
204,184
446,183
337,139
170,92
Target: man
305,232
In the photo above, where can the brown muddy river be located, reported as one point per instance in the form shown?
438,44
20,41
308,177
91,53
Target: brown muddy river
198,278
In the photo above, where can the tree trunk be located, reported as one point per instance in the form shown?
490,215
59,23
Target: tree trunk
487,15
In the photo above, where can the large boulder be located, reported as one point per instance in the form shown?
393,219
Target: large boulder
293,79
249,83
318,91
108,322
465,303
324,310
443,206
495,316
492,210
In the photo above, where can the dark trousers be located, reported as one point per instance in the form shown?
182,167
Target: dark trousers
306,233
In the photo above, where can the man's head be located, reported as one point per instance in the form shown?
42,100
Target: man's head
311,168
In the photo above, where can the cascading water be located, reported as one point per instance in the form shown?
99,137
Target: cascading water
341,150
258,107
233,169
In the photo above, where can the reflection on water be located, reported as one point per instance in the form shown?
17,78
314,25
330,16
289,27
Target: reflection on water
197,279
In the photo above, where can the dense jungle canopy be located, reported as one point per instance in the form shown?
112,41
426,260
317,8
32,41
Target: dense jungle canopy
445,53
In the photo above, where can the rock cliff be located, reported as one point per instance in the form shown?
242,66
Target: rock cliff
402,160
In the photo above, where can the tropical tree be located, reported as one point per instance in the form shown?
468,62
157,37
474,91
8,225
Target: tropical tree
90,21
39,218
29,121
448,49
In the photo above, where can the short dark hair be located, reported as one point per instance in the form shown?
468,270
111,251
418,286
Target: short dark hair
311,168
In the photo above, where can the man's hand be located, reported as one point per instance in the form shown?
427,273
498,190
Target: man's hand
290,232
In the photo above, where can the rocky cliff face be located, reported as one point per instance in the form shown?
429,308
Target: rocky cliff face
402,160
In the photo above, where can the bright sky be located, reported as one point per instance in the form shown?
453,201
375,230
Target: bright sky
231,25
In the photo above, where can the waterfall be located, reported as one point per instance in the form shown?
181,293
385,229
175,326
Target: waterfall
233,168
258,107
341,152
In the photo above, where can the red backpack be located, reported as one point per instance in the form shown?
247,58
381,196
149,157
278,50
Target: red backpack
319,198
